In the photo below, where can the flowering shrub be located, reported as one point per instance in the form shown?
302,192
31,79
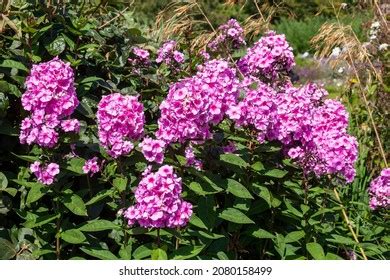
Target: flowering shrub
212,159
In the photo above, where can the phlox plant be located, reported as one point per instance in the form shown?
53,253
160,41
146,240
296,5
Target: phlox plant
156,152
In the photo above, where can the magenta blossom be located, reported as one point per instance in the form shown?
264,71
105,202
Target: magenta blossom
379,191
120,121
46,173
158,202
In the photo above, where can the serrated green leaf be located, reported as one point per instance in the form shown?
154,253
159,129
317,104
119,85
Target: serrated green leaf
235,216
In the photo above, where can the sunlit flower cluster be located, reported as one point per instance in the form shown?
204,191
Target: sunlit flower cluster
268,57
380,191
194,104
45,173
169,55
230,36
50,98
158,201
120,122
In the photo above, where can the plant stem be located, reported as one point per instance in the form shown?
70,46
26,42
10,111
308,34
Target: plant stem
158,238
346,219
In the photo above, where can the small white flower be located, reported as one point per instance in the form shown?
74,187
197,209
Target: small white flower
336,52
305,54
383,47
344,5
375,24
341,70
372,37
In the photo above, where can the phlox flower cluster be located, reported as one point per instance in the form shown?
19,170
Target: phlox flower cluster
256,109
153,150
230,37
50,97
268,57
314,131
169,55
195,103
91,166
158,201
140,59
379,191
120,121
45,173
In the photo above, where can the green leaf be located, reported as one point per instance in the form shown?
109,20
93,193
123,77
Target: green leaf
98,225
35,193
120,183
57,46
235,216
257,166
27,158
276,173
73,236
125,252
294,236
3,181
233,159
40,221
142,251
315,251
7,250
330,256
238,189
159,254
99,253
196,221
75,204
76,165
262,234
8,63
99,196
264,193
201,189
341,240
187,252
